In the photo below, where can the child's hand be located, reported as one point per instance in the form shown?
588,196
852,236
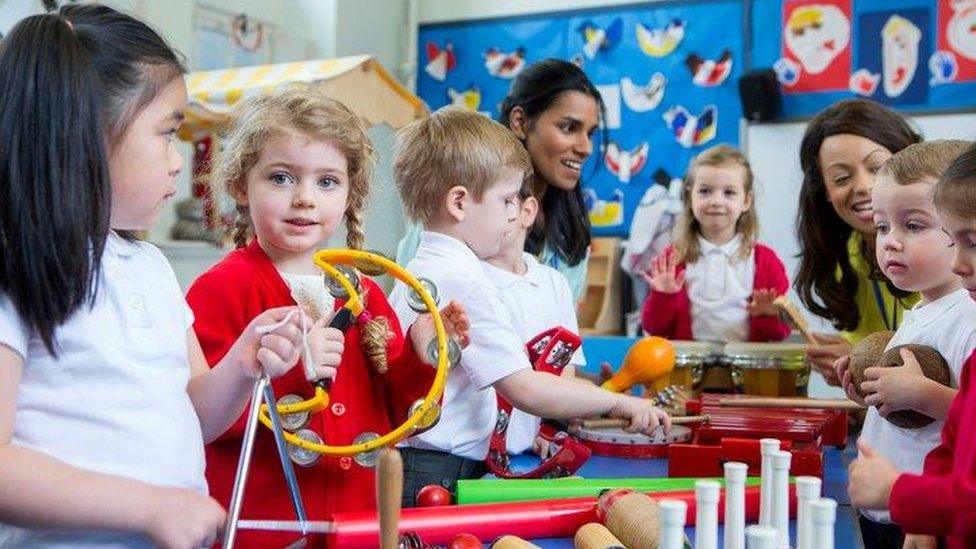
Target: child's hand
870,478
895,388
270,344
823,356
843,372
661,275
455,323
540,447
920,541
761,303
644,417
325,345
183,519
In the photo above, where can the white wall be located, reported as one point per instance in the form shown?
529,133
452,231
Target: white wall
433,11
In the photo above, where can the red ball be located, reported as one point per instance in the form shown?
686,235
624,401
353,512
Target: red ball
433,495
465,541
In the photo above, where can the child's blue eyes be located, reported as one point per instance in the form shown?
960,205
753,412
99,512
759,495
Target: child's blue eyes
281,179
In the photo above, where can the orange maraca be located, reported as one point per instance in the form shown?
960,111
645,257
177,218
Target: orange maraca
650,359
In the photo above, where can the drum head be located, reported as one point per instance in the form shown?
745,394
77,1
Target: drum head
617,442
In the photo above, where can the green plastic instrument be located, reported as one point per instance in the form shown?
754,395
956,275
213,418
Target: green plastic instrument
496,490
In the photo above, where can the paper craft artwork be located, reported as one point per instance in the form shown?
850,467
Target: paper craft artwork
469,98
440,61
690,130
787,71
504,65
708,73
643,98
660,42
817,36
598,39
604,213
943,68
899,54
956,37
623,163
864,82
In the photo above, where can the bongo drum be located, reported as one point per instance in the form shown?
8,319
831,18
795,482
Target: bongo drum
619,443
769,369
692,359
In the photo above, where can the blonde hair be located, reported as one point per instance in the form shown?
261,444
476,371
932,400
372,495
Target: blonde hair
451,147
306,109
687,229
955,193
925,161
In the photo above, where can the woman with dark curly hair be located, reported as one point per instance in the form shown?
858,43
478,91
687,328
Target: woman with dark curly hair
839,279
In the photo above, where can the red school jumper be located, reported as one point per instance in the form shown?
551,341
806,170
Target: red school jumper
224,301
669,315
942,500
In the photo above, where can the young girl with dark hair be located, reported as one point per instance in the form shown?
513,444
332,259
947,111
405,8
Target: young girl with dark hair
554,109
839,279
105,396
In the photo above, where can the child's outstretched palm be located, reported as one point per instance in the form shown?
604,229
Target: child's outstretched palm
662,276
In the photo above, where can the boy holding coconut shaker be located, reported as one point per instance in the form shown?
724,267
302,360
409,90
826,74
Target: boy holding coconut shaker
910,400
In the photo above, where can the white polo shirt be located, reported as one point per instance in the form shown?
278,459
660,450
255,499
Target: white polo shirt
114,400
538,300
469,406
719,287
948,325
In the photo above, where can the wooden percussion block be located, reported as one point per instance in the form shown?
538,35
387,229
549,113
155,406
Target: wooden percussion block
596,536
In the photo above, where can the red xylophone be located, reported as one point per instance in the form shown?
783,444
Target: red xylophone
732,433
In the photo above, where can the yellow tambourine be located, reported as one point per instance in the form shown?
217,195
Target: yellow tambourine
424,413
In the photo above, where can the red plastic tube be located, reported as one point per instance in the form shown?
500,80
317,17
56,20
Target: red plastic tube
557,518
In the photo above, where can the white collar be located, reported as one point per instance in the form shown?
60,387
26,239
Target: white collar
927,313
728,249
502,278
443,245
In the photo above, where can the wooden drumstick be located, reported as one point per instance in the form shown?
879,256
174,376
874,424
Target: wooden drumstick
619,422
796,318
634,518
389,490
596,536
792,402
513,542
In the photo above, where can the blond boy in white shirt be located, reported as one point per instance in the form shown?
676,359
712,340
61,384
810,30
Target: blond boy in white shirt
460,175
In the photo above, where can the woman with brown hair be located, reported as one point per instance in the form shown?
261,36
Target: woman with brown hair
839,279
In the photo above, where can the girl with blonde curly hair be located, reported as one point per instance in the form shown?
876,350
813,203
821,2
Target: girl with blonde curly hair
298,164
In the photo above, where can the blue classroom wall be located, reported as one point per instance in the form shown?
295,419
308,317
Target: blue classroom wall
709,29
642,40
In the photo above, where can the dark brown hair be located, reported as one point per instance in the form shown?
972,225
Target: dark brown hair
822,234
955,193
71,84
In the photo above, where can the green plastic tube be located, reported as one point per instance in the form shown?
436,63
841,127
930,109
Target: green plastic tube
498,490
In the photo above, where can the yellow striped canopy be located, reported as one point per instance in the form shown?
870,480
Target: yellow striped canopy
358,81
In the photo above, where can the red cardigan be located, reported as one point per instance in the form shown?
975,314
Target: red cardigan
940,501
669,315
224,301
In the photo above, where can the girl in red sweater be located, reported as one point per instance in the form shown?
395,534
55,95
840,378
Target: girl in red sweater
298,163
716,283
938,502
